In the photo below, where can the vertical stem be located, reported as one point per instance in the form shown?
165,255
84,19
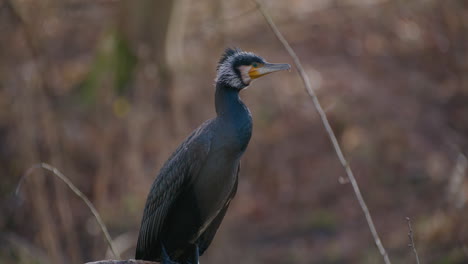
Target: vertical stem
411,239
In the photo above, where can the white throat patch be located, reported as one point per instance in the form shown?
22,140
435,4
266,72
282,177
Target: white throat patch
244,71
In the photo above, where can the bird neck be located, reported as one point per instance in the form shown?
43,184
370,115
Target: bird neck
235,116
228,103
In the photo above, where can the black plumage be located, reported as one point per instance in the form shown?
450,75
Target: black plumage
193,190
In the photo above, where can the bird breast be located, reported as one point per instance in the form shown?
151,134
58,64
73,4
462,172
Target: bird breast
215,182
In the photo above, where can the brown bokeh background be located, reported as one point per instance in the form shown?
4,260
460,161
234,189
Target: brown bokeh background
105,90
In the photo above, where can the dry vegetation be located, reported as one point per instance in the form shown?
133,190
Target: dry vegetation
105,90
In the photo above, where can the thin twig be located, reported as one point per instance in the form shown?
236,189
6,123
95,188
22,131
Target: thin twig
329,130
411,239
83,197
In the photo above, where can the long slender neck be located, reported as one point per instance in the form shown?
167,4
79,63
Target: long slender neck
235,115
227,102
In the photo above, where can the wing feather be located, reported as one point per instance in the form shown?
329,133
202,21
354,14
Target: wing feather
183,164
205,239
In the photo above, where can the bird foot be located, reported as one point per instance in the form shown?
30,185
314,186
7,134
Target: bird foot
165,257
195,257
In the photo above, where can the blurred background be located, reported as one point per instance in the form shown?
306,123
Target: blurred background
105,91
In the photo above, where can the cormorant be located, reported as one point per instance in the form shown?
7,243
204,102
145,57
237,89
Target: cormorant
192,192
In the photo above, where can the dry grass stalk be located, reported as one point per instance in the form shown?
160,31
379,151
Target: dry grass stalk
83,197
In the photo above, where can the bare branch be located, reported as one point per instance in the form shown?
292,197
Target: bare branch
83,197
411,239
329,130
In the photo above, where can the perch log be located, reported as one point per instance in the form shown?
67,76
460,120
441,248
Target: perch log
128,261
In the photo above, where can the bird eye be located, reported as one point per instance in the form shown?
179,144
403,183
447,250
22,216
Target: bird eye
255,65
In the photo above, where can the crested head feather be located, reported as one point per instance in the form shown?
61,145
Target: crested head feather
228,52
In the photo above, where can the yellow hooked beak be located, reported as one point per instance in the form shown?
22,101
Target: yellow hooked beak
264,69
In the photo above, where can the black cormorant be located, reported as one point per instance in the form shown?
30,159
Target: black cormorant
192,192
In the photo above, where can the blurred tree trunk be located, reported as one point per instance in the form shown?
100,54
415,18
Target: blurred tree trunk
144,25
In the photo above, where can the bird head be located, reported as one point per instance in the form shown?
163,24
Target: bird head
238,68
